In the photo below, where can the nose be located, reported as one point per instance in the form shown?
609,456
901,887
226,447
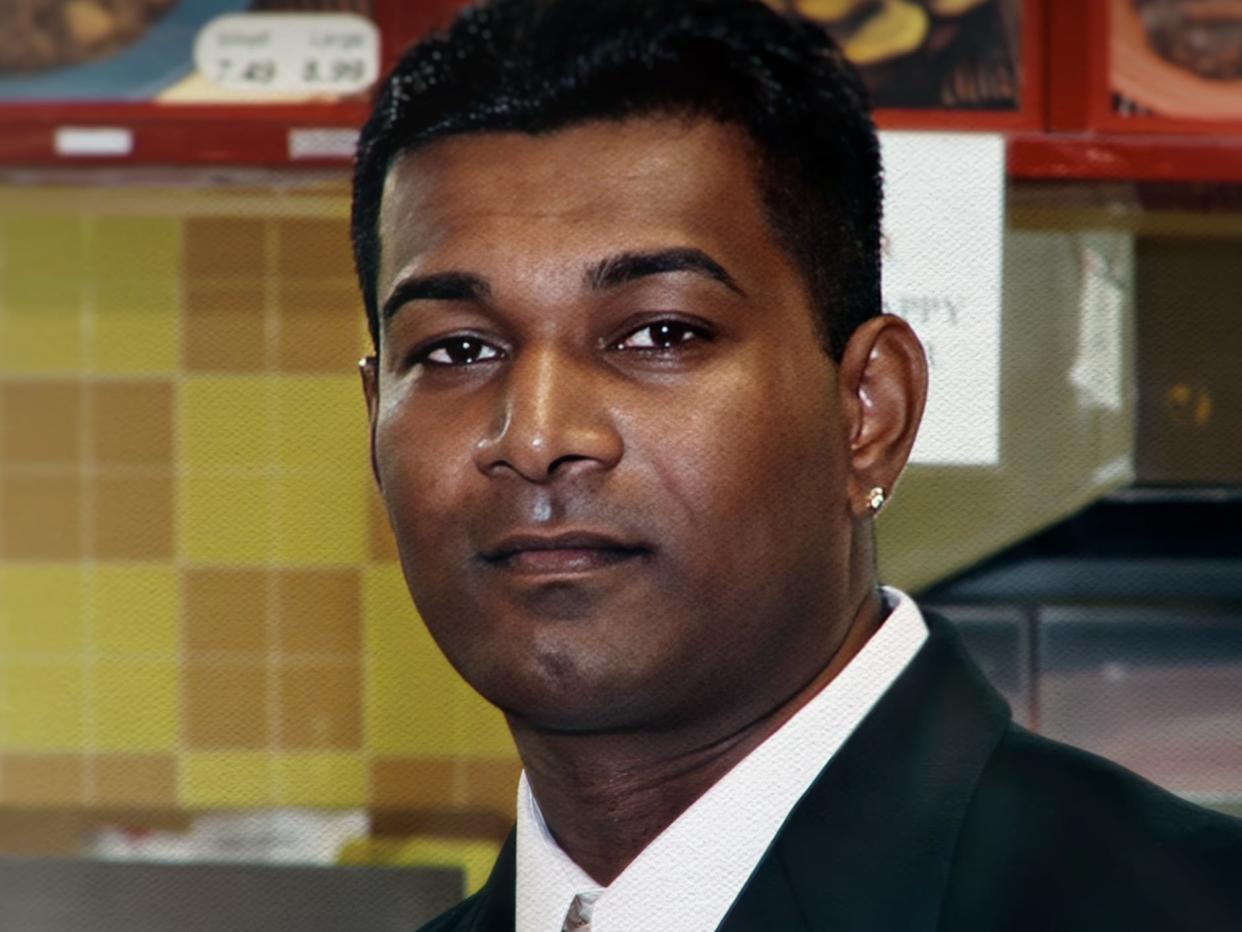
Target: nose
551,419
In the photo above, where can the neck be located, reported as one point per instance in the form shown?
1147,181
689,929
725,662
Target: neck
606,797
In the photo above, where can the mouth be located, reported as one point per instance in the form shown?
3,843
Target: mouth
561,555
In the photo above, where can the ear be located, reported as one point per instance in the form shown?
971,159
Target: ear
368,368
883,386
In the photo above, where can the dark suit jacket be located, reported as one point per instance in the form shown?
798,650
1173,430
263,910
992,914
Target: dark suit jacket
939,813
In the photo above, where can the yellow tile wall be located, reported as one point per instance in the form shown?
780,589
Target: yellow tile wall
200,605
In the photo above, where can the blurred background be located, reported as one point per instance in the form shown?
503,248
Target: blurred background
211,676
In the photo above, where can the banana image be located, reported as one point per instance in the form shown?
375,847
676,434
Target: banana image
831,11
949,8
897,28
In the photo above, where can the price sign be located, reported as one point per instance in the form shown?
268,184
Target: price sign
297,53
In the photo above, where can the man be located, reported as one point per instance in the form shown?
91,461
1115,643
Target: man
633,408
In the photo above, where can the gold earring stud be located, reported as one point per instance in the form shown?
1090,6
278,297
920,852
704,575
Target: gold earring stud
876,499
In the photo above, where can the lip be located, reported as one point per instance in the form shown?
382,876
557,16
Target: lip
569,552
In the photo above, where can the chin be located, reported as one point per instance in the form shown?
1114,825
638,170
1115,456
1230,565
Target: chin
562,690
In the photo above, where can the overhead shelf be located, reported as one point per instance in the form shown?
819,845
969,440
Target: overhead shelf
122,134
1074,115
1116,157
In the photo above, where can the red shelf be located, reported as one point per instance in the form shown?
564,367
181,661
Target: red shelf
250,135
1126,158
1064,130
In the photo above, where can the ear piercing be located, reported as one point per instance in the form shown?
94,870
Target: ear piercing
876,499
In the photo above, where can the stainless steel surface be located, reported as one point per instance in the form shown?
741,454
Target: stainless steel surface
94,896
1156,689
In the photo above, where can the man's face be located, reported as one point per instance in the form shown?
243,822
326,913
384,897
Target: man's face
608,437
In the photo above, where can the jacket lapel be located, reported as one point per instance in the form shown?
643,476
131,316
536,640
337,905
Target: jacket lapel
871,843
496,908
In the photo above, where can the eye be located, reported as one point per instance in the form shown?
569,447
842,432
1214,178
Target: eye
458,351
662,335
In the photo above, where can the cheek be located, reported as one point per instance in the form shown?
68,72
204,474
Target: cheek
423,472
754,440
421,467
746,476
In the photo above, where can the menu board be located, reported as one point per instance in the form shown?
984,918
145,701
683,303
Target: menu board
928,54
1176,60
186,51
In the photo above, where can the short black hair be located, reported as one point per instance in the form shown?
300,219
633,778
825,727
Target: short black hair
537,66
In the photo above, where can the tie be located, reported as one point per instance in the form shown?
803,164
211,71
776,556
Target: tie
578,919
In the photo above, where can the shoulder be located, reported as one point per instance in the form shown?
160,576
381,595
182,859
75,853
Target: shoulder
1055,791
460,917
1061,833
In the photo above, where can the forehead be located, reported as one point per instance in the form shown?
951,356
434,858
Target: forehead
578,193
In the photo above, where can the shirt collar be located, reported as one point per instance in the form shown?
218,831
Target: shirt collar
706,855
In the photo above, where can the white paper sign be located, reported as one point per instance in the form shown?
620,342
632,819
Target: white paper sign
302,53
93,140
944,215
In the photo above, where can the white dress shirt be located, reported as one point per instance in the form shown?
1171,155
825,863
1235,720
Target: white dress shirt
690,874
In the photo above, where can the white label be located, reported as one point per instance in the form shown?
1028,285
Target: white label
320,143
944,215
1098,371
93,140
303,53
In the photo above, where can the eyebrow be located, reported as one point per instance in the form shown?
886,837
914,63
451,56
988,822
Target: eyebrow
609,273
631,266
441,286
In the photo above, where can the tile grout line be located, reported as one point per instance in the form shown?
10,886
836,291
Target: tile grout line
4,621
273,665
100,378
180,564
250,198
87,515
157,472
220,659
143,563
366,662
366,675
